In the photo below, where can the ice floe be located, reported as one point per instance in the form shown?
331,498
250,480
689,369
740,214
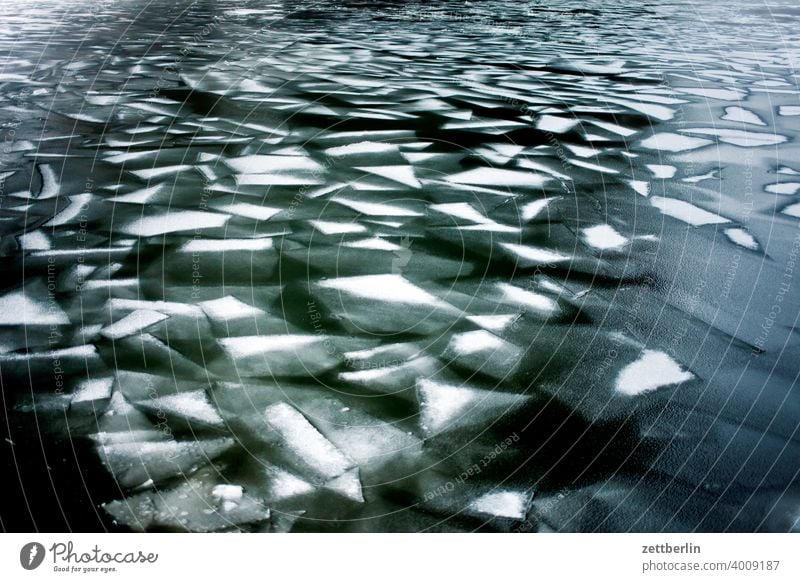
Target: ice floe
651,371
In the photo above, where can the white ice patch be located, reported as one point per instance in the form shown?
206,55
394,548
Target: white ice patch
135,322
536,301
77,204
739,137
390,288
271,164
17,308
712,175
651,371
471,342
347,485
376,208
742,115
246,210
374,244
142,196
227,308
492,322
534,254
641,187
674,142
93,389
508,504
400,174
34,241
213,245
305,442
49,182
462,210
662,172
532,209
792,210
192,405
555,124
443,404
604,237
789,110
329,228
362,147
175,221
688,213
742,238
161,172
785,188
243,347
499,177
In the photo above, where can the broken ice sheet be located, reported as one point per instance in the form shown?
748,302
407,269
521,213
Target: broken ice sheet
508,504
651,371
686,212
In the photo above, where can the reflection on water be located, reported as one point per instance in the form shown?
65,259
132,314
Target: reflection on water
346,266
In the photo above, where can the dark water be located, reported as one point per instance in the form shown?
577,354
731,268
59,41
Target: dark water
356,266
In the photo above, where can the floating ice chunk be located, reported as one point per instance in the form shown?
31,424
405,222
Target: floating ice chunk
49,182
554,124
582,151
462,210
536,301
786,188
508,504
362,147
712,175
374,243
651,371
688,213
284,485
174,221
227,496
490,227
532,209
247,210
789,110
393,379
281,355
483,352
227,308
595,167
91,392
742,115
30,306
151,173
674,142
787,170
34,241
329,228
142,196
614,128
641,187
604,237
401,174
792,210
742,238
77,204
446,406
740,137
492,322
270,164
499,177
391,288
137,321
133,463
714,93
534,255
376,208
193,405
213,245
306,448
662,171
348,485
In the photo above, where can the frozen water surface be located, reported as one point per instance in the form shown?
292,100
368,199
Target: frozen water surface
342,251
